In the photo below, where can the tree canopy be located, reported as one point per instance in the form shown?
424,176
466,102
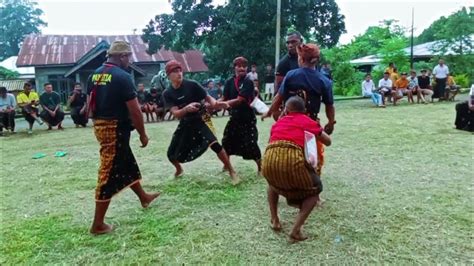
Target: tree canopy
17,19
241,27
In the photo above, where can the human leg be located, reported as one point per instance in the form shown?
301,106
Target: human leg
272,198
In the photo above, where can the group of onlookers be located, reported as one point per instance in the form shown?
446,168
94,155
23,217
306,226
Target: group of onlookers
393,87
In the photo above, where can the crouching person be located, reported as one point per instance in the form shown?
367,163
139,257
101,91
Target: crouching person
52,113
286,169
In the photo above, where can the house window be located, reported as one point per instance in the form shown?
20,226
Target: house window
61,85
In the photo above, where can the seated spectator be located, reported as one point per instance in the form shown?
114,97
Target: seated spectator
369,90
451,88
401,88
142,101
7,111
465,113
424,87
286,169
155,104
51,103
28,101
412,86
385,86
77,103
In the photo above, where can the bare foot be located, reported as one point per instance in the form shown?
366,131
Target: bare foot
276,225
149,198
297,237
179,172
225,169
235,178
101,229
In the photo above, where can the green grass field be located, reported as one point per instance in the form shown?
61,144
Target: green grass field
398,186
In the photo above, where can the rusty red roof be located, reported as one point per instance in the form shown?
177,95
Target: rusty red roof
43,50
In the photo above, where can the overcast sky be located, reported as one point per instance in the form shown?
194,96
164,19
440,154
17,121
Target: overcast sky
121,16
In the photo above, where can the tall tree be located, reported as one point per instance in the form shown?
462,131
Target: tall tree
18,18
241,27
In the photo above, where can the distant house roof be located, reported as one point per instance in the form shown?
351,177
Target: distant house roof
47,50
25,72
424,50
12,84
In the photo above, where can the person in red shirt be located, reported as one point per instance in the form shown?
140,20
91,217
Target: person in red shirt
285,168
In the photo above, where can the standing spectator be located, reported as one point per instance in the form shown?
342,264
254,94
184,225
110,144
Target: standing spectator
394,76
390,68
214,92
440,74
269,82
287,63
77,103
51,103
369,90
385,87
7,110
28,101
424,87
253,75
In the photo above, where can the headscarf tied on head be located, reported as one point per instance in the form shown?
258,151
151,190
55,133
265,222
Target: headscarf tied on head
171,66
309,52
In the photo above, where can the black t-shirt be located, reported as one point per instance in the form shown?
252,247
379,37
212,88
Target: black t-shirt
287,63
142,96
79,100
50,100
424,82
190,91
114,90
269,77
245,89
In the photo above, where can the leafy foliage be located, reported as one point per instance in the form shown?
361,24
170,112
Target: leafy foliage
241,28
17,19
6,73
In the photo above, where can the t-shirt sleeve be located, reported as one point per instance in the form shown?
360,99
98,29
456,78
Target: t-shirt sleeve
314,127
57,98
127,89
247,90
283,86
227,88
42,99
282,68
326,92
201,93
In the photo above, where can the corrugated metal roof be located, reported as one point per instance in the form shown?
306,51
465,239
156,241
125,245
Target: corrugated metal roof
12,84
41,50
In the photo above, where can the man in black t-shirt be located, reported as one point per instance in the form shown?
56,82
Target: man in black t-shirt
77,103
287,63
425,87
113,105
51,103
188,102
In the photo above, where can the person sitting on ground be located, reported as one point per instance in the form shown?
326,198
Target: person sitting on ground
155,105
413,87
285,168
385,87
28,101
401,88
7,111
451,88
51,103
142,100
424,87
465,113
77,102
369,90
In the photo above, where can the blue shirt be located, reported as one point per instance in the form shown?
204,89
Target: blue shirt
8,101
316,86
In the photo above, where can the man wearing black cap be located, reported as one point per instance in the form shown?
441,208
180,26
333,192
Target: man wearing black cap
113,105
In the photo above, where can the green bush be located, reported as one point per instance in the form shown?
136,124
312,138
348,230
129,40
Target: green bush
347,80
462,80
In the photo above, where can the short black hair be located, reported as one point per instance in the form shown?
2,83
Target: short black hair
368,75
77,84
47,83
295,104
3,90
297,33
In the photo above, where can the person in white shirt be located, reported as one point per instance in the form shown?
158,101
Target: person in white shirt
413,87
440,74
253,75
369,90
385,86
7,110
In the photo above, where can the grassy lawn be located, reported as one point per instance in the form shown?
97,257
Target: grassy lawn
398,186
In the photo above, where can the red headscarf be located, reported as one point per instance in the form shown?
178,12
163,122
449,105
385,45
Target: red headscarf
172,65
309,52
